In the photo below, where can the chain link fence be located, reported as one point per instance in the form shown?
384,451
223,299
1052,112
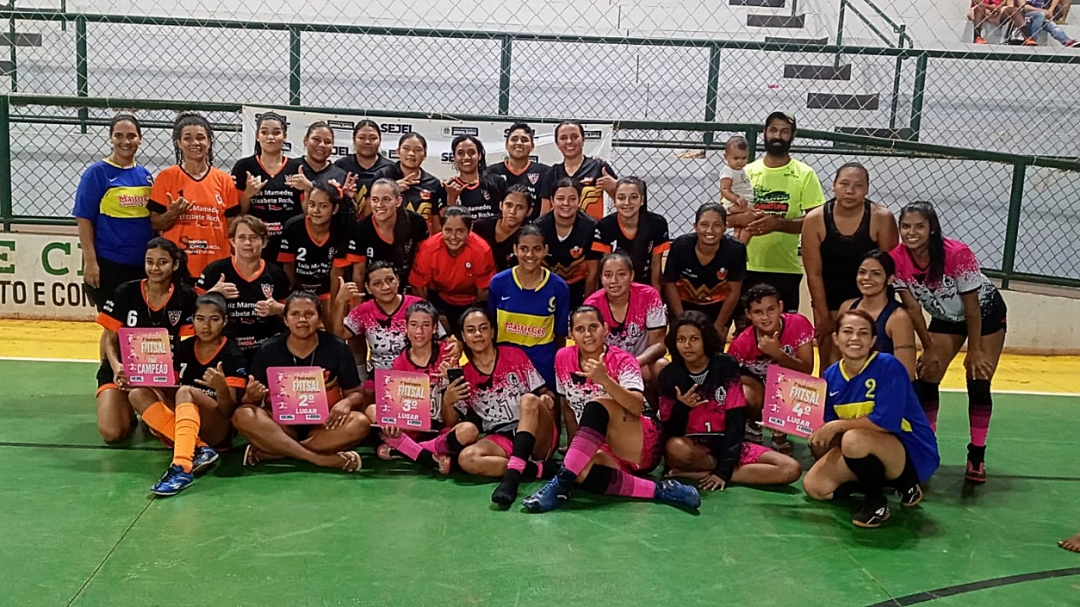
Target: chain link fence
878,67
974,196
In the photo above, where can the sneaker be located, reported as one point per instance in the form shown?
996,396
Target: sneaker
910,497
873,513
1030,42
443,463
753,433
172,482
672,491
1071,43
386,453
976,473
204,458
549,497
980,40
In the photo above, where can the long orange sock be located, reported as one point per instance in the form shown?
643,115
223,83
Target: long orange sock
161,420
187,434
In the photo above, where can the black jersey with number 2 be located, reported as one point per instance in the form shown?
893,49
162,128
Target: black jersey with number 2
246,328
312,260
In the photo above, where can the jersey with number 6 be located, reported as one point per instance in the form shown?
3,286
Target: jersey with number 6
189,367
128,307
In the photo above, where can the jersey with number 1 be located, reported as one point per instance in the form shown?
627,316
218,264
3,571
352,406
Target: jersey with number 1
718,388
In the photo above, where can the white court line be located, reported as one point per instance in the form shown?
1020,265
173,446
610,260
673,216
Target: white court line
83,360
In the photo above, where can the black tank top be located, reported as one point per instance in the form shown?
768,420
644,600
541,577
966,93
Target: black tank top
841,256
884,343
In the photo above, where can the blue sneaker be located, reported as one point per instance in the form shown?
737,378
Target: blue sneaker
549,497
172,482
204,458
673,492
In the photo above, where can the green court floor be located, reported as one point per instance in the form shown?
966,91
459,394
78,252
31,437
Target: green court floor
79,527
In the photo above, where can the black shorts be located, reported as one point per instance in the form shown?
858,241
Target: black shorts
577,294
112,275
787,284
105,376
993,320
450,311
711,311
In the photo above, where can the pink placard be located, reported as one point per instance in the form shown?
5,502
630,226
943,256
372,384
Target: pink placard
794,402
147,357
403,399
298,395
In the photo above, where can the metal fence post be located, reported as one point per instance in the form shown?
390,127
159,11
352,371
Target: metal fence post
751,140
82,72
917,96
505,50
840,31
12,53
712,91
894,106
1012,227
5,162
294,65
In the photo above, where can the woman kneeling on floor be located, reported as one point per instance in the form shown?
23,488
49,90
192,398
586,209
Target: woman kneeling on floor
876,433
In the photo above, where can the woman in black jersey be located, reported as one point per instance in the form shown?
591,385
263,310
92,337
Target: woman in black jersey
520,169
390,233
211,372
596,177
501,233
330,444
260,180
254,289
640,233
473,188
421,192
314,247
315,164
705,269
569,232
364,163
834,239
164,299
895,331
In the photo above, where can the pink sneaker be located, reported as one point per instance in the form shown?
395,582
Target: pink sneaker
975,473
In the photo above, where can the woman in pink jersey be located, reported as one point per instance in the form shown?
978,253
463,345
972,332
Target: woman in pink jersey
942,276
635,316
423,354
617,436
774,337
703,411
505,395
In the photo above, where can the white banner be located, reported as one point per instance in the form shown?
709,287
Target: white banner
41,278
439,134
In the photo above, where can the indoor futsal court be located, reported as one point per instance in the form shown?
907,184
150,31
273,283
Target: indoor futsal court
82,529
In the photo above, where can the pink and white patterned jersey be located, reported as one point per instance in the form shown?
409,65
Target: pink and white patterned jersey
496,398
438,383
578,390
797,331
942,299
644,312
384,333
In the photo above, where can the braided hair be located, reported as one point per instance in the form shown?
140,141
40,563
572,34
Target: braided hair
192,119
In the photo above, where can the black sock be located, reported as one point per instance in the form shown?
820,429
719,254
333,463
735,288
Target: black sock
870,472
453,445
532,470
978,31
545,469
594,416
845,490
506,492
427,458
976,455
1027,31
908,478
598,479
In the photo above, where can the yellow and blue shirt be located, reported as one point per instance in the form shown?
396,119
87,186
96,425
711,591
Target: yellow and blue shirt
114,198
882,393
531,319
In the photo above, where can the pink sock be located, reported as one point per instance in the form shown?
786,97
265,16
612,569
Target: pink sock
980,426
406,445
516,463
437,445
584,446
629,485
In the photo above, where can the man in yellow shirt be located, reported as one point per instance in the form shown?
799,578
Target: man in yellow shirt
785,190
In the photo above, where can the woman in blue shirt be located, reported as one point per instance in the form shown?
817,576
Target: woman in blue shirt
876,433
110,208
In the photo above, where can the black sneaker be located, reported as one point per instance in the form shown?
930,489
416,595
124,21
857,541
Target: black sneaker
873,513
910,497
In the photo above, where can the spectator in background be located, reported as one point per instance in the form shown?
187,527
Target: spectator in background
998,12
1041,15
110,208
785,190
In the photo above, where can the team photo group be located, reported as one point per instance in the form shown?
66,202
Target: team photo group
566,340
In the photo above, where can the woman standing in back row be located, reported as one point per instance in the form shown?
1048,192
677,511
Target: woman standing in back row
596,177
364,163
419,191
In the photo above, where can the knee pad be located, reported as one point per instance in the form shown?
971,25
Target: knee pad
978,391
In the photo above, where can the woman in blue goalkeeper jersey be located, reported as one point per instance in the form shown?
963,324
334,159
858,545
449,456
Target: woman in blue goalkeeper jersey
875,432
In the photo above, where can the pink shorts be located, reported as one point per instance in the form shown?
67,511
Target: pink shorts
506,442
369,384
750,453
652,448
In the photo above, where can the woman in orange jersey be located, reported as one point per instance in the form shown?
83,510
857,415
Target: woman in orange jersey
192,201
